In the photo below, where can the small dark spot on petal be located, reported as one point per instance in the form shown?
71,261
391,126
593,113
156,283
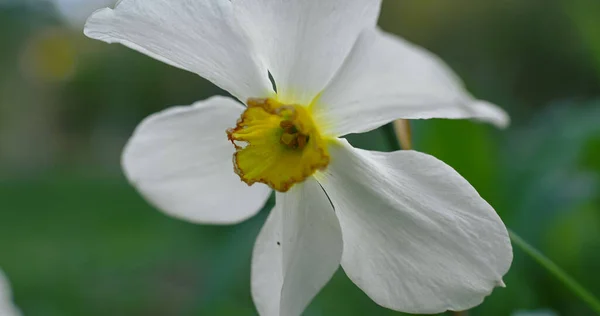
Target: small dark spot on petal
278,244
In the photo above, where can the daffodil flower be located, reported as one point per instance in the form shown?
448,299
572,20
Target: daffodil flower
7,307
406,228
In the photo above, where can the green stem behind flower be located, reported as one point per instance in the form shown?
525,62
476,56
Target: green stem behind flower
555,270
404,136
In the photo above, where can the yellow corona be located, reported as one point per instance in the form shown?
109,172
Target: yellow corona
277,144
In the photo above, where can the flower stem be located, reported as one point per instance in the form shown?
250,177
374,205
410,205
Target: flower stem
556,271
404,136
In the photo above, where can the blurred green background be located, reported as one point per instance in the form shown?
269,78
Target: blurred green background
76,239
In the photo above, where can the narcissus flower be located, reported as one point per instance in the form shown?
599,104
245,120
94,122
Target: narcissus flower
406,228
7,307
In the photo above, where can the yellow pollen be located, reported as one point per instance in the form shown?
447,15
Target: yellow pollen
277,144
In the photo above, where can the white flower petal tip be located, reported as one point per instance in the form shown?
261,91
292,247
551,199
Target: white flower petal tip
490,113
180,160
7,307
297,251
417,236
501,283
76,12
200,36
386,78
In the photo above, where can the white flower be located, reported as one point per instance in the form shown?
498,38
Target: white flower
407,229
7,308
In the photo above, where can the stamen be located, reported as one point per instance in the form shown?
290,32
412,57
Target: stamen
287,125
302,140
291,137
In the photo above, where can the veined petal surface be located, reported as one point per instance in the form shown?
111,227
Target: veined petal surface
201,36
180,160
386,78
417,236
303,42
7,307
297,251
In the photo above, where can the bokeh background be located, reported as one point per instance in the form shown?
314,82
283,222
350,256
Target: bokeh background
76,239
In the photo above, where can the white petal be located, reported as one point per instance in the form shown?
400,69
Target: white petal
267,265
7,307
417,236
297,251
386,78
304,42
200,36
181,161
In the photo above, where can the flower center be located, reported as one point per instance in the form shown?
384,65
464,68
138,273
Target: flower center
277,144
